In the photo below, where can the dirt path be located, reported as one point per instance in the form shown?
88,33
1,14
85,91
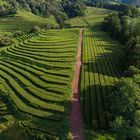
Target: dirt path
76,117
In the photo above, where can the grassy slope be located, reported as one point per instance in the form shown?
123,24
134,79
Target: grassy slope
24,20
93,16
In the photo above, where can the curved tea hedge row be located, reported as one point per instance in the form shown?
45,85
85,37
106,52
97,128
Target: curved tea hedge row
38,72
100,70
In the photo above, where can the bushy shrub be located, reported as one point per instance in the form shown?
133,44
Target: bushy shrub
6,40
132,70
49,26
7,10
35,29
124,108
18,33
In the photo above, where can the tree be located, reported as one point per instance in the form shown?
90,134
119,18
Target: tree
132,70
73,8
6,40
60,19
125,108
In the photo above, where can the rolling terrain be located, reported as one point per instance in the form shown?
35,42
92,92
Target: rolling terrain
90,18
48,77
36,76
25,21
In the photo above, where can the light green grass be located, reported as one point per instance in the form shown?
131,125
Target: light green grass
24,20
93,16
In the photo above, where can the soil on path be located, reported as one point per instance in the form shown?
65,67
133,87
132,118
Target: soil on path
76,117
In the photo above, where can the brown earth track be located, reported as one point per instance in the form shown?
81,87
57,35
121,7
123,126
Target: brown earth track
75,116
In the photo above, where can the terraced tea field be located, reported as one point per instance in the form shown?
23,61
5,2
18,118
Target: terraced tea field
100,70
35,77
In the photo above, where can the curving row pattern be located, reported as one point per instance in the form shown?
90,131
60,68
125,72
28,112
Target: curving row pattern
37,73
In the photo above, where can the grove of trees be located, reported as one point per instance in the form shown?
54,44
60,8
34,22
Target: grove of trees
126,29
125,108
124,100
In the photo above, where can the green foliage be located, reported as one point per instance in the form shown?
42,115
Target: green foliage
18,33
136,2
6,40
60,19
38,7
7,10
112,23
93,17
127,31
73,8
24,21
124,108
35,29
37,73
100,70
132,70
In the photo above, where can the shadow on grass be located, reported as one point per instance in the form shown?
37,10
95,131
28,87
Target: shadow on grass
95,107
103,59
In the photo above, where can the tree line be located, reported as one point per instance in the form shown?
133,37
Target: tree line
124,100
45,8
61,10
127,30
121,7
7,10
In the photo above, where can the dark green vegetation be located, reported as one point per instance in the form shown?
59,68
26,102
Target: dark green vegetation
103,2
136,2
125,9
124,100
100,72
36,76
73,8
5,40
127,31
125,108
37,70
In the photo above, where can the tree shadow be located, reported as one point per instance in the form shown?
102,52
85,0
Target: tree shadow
95,107
103,59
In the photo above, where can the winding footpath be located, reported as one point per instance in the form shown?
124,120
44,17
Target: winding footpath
76,117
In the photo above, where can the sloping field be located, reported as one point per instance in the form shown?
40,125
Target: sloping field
100,70
25,21
37,74
93,16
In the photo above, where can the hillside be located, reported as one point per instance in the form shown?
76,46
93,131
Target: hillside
69,70
135,2
24,20
90,17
